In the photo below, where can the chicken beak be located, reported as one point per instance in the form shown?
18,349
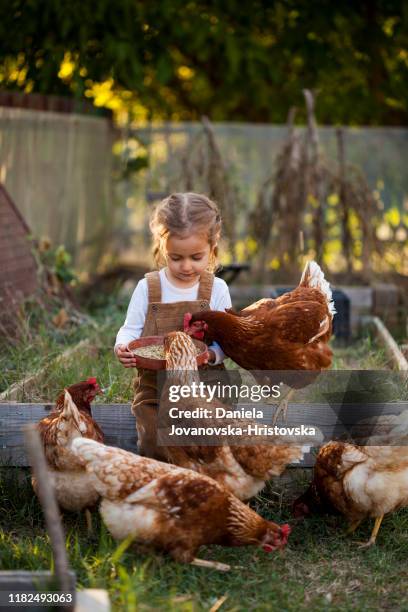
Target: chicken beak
97,390
280,539
284,533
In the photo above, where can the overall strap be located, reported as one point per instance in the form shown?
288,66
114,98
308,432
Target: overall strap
154,286
205,288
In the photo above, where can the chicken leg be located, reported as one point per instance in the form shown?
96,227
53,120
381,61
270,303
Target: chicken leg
282,408
374,533
353,526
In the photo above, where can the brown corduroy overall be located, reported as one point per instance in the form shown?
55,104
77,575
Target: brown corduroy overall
161,318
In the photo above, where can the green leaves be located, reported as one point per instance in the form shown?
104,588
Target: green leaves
250,61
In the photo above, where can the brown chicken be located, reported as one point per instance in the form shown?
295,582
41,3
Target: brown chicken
170,508
290,332
243,469
361,481
82,393
71,482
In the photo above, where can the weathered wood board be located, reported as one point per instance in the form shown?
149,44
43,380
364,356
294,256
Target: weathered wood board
22,581
118,423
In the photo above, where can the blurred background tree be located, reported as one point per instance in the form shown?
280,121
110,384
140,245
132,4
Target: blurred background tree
229,60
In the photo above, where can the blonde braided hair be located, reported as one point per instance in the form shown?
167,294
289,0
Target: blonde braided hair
183,214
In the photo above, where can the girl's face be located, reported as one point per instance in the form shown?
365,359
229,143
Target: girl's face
187,258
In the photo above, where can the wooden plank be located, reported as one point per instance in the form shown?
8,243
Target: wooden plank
116,421
398,360
20,578
119,425
20,581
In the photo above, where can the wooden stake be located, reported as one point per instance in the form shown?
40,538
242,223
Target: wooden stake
49,505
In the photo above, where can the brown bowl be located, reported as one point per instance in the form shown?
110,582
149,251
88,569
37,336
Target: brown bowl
160,364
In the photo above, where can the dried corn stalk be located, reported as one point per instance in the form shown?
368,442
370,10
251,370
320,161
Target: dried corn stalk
204,170
300,187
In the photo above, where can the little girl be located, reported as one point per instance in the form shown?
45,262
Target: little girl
186,229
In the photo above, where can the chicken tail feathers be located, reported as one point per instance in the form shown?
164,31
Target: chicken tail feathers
70,411
313,277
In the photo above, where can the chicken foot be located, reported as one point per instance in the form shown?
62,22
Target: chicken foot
222,567
374,533
282,408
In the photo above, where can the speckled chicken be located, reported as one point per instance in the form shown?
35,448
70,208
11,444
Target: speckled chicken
243,469
170,508
72,484
361,481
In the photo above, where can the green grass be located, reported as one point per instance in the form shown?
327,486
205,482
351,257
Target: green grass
364,353
321,568
116,380
41,343
36,353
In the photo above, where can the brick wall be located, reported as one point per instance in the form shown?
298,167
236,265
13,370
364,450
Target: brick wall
18,276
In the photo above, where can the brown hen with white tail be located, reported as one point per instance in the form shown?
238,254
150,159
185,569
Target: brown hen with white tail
239,464
361,481
73,488
168,507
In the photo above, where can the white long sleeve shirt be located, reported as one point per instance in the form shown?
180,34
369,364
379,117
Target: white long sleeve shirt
137,309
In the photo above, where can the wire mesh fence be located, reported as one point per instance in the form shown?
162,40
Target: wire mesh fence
373,164
75,181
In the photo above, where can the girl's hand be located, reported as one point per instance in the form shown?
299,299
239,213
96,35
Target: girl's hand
211,356
126,358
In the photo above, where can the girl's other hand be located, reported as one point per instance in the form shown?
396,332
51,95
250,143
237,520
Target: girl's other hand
210,356
126,358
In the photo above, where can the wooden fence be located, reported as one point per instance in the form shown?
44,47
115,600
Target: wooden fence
118,423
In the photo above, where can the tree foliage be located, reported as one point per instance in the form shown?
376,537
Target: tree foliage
228,59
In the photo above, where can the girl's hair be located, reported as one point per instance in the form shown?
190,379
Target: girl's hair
183,214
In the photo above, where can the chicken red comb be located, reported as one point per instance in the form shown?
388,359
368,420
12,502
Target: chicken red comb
285,530
92,381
